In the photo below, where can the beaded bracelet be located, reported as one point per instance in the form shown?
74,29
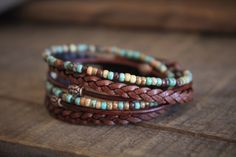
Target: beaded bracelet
110,75
74,85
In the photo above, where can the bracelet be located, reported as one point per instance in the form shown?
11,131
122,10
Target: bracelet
78,50
80,91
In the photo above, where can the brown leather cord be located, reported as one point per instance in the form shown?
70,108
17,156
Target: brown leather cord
82,115
130,92
96,87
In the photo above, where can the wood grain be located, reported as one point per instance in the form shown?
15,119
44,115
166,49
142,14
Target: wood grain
206,127
212,16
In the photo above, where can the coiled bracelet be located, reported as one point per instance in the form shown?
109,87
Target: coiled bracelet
88,84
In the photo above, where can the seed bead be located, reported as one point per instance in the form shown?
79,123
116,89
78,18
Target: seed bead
132,79
89,70
105,73
98,105
127,77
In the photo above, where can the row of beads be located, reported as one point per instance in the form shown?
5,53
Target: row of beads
97,103
121,77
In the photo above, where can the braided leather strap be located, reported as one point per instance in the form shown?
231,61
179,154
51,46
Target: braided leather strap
86,84
86,116
171,96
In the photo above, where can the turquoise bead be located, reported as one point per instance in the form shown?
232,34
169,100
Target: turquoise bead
129,54
93,103
77,101
66,64
113,50
149,81
49,86
51,60
136,55
82,47
57,91
159,82
59,49
122,52
152,104
110,75
137,105
120,105
69,98
79,68
104,105
172,82
122,77
148,59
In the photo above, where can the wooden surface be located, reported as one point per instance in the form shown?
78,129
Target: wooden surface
205,127
186,15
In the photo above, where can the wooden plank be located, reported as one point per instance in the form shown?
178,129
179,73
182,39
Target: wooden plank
204,128
32,126
213,110
213,16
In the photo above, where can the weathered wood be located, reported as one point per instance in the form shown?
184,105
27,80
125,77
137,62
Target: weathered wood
214,16
206,127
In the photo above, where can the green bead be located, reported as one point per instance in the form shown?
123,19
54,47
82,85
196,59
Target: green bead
82,47
77,101
122,77
79,68
149,81
110,75
120,105
104,105
137,105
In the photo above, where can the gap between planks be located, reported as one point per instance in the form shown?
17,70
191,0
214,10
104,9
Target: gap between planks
158,127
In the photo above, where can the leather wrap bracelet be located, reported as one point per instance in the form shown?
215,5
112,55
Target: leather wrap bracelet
88,84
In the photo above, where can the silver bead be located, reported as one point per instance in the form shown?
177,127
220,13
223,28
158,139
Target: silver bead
56,101
75,90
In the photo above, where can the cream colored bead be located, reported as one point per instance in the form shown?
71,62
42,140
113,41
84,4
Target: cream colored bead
138,80
105,73
87,102
163,68
132,79
89,70
109,105
143,105
94,71
154,81
126,106
73,48
98,104
127,77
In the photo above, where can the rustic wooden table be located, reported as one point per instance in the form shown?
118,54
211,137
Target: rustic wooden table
205,127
